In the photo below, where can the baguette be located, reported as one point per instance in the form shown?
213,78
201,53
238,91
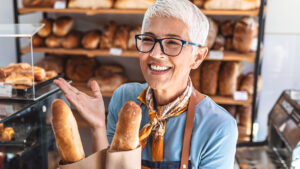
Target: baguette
66,133
127,130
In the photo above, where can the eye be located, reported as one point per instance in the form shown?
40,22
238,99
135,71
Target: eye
147,39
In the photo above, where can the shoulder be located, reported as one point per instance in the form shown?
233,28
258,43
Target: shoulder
128,91
214,117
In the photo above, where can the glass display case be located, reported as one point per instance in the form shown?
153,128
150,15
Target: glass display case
23,81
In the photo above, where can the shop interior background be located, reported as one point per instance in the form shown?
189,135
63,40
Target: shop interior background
281,58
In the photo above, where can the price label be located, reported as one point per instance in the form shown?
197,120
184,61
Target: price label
60,5
240,95
216,54
115,51
282,127
5,89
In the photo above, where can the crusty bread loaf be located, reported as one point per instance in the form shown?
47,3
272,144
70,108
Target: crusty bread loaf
108,35
121,37
93,4
247,83
133,4
72,40
91,39
47,29
38,3
37,41
228,77
244,117
63,25
49,63
108,70
228,44
209,77
244,34
195,77
131,41
80,69
232,4
53,41
212,33
227,28
108,83
127,129
66,133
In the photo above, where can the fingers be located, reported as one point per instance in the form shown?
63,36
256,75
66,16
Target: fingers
65,86
96,89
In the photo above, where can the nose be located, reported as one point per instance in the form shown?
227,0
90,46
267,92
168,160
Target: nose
157,51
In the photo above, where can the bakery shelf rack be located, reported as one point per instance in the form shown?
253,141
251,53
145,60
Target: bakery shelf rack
254,12
228,55
255,57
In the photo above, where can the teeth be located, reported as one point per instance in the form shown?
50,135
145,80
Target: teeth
158,68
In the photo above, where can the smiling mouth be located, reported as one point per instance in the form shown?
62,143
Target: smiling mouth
158,68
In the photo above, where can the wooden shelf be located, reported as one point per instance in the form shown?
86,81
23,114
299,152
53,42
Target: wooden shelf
254,12
231,101
218,99
228,55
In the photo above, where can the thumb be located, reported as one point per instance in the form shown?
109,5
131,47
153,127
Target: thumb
96,89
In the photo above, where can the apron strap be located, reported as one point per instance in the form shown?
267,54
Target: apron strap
188,131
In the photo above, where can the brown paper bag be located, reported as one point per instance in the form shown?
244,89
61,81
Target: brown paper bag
107,159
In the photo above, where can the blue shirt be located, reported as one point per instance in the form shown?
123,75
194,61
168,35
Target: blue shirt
214,133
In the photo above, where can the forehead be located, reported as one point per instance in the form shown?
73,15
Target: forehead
164,26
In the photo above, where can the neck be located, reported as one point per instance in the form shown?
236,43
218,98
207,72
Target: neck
165,96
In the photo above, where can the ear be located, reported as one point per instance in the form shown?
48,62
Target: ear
199,56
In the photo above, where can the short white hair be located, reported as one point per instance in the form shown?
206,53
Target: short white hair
184,10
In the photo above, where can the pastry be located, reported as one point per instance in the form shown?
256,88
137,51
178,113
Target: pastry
108,35
63,25
91,39
121,37
232,4
47,29
133,4
72,40
53,41
37,41
209,77
108,83
80,69
93,4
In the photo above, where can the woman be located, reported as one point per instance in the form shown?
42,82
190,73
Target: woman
170,45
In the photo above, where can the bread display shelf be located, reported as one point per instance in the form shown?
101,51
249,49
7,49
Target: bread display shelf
218,99
228,55
254,12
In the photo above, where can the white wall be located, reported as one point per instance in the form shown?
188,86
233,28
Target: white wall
281,59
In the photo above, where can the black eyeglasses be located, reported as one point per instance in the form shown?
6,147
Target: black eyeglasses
169,46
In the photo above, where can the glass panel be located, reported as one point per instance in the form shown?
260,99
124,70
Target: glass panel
19,30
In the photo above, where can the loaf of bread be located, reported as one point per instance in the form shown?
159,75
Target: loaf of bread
232,4
66,133
244,117
7,133
55,63
80,69
131,40
37,41
93,4
195,77
127,129
247,83
121,37
72,40
212,33
228,77
108,83
133,4
209,77
108,35
245,32
63,25
227,28
53,41
108,70
47,29
219,43
91,39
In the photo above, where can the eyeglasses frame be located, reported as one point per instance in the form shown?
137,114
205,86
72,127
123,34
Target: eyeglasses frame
183,42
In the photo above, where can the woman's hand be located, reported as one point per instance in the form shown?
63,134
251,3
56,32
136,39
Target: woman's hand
92,109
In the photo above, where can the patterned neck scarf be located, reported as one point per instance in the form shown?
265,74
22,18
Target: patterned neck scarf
158,117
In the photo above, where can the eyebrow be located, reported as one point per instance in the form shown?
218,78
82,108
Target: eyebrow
169,35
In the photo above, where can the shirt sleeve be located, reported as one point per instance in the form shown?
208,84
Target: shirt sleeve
221,149
112,117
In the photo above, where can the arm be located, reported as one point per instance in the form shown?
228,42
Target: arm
220,152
